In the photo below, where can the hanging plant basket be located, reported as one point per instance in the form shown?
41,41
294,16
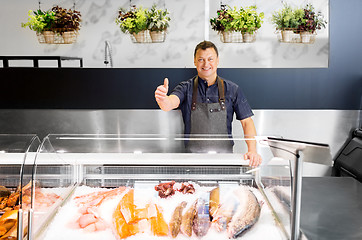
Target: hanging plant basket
293,35
158,37
231,37
147,36
237,37
141,37
249,37
50,37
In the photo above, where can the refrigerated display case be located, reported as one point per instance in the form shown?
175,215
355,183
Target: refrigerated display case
138,187
17,154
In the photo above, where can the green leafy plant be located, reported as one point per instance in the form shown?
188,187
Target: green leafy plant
239,20
251,19
158,19
132,21
39,20
57,20
311,21
287,17
66,19
299,19
221,23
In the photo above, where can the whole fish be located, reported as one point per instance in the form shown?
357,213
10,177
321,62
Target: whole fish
214,200
188,219
201,222
176,219
224,212
247,213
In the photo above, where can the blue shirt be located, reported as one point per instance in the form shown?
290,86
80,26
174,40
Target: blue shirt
234,99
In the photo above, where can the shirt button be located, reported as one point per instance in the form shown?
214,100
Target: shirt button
208,99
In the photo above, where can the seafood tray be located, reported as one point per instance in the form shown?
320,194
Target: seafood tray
140,212
120,187
145,202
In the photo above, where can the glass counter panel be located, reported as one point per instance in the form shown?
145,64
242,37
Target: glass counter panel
115,183
53,181
17,153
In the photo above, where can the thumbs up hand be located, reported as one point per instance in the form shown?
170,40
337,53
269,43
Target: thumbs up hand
161,91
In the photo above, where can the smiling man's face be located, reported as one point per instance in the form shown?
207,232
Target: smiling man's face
206,62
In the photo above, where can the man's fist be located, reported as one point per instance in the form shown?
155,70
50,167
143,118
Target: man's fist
161,91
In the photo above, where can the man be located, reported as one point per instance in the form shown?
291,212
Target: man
208,103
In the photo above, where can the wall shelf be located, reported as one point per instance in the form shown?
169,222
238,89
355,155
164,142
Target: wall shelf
36,59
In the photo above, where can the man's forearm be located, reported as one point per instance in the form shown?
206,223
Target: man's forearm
169,103
249,132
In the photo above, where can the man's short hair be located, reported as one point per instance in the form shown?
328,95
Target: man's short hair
204,45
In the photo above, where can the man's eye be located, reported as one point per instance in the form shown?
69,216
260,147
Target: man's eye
211,59
201,60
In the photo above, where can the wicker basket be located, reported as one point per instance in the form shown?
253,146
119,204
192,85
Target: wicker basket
158,37
141,37
293,35
49,37
231,37
249,37
69,37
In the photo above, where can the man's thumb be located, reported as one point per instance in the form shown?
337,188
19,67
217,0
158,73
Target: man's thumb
165,83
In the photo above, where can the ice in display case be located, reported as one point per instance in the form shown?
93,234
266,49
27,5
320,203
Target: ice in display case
17,154
139,187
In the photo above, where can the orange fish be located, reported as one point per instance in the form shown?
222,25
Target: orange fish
159,226
124,217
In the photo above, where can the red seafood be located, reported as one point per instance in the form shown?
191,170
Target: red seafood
89,203
165,189
168,189
91,222
96,198
186,188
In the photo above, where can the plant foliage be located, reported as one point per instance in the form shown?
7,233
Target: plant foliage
311,21
132,21
66,19
240,20
300,19
158,19
57,20
287,17
39,20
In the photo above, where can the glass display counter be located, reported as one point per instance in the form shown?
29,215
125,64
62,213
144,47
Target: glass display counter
17,154
147,187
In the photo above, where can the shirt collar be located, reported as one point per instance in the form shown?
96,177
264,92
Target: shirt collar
205,82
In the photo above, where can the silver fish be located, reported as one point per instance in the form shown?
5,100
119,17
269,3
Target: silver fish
188,219
224,212
247,213
176,219
202,222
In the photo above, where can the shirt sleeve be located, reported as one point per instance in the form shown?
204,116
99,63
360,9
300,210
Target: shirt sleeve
242,108
180,91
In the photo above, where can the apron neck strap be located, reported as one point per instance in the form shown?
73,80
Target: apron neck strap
220,86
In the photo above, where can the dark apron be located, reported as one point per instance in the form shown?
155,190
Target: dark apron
209,120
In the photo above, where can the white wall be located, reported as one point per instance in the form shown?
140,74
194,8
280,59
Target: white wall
187,28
